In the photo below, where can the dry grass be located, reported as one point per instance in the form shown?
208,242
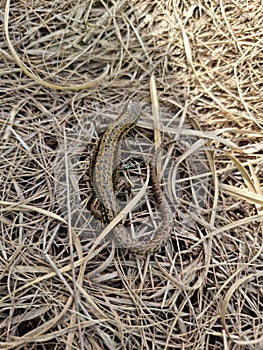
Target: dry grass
204,289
